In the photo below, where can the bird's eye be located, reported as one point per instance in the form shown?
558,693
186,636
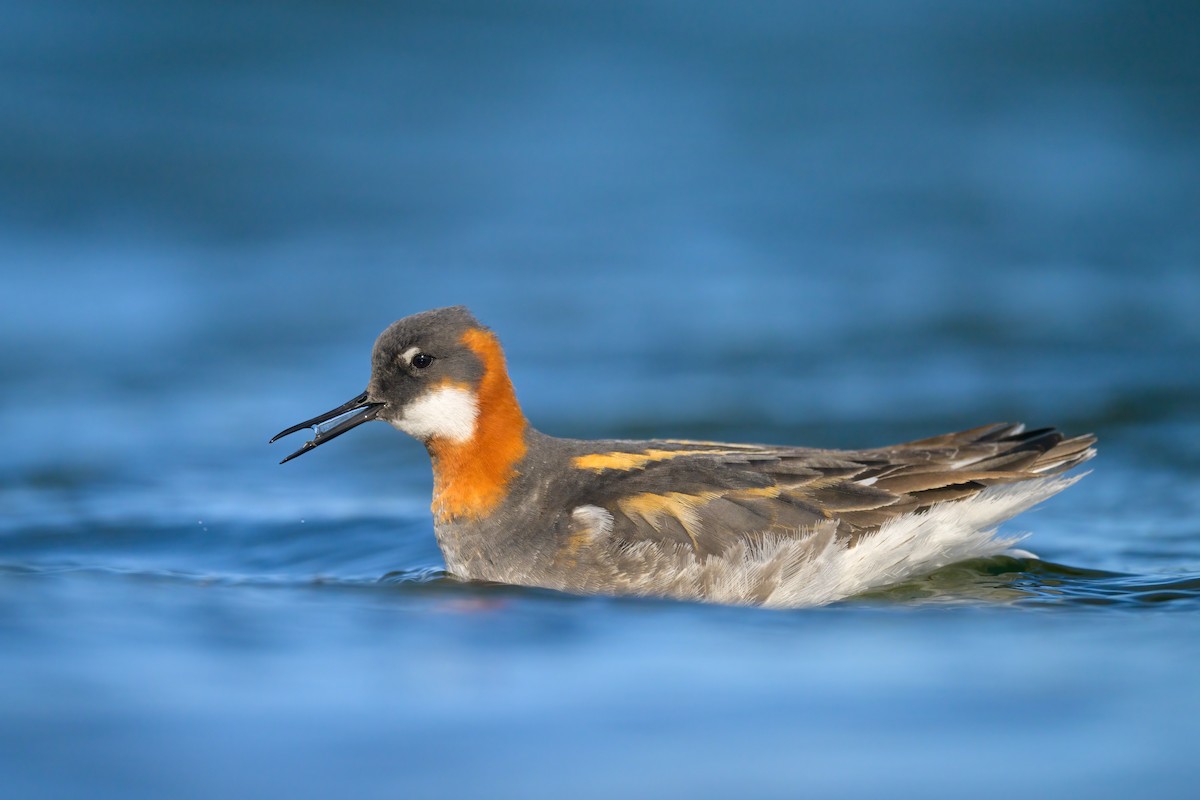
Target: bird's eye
422,360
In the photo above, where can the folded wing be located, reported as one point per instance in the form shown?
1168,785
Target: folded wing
710,496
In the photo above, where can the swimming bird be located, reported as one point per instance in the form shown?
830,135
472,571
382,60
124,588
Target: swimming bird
729,523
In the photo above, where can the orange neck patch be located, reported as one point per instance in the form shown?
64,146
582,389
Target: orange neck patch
470,478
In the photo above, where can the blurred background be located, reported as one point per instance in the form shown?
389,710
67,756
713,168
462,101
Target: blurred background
840,226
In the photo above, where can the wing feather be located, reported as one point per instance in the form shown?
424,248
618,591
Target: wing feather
720,495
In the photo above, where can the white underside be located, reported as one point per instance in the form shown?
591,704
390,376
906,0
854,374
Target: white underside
447,412
819,568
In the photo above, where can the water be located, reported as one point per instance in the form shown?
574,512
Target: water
838,227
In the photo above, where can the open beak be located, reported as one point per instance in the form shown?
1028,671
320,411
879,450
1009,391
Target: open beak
343,418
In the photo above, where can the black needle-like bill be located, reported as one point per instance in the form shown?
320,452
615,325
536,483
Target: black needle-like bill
356,411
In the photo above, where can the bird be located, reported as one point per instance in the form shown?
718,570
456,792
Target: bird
738,524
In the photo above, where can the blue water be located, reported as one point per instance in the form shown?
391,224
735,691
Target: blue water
839,226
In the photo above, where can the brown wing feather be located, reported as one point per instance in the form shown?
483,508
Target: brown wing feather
710,499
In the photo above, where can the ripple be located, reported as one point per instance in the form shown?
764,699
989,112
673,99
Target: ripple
1040,584
999,581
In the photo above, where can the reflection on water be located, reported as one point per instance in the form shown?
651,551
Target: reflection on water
831,226
1033,583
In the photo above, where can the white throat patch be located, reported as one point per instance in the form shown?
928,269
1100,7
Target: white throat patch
448,412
